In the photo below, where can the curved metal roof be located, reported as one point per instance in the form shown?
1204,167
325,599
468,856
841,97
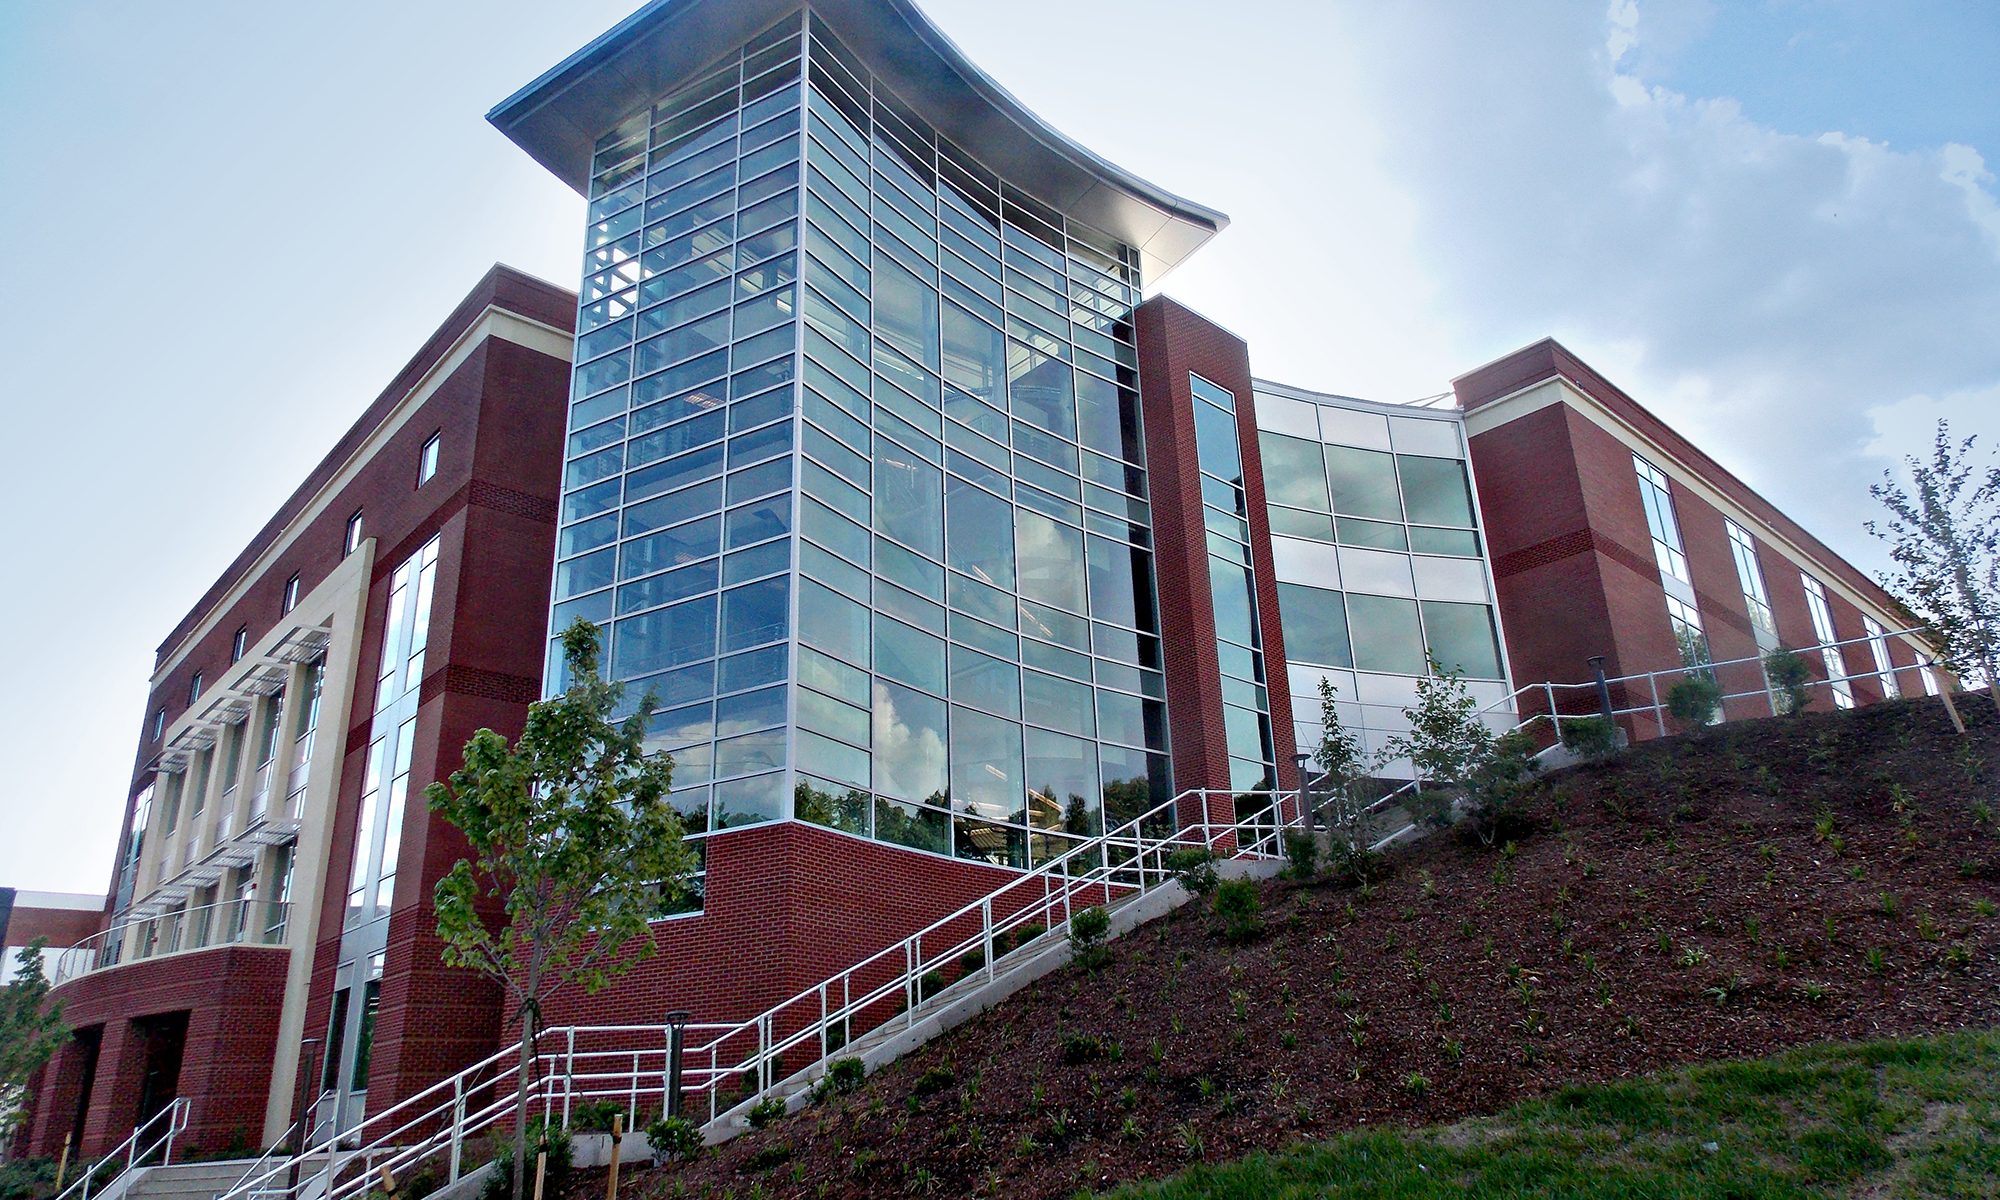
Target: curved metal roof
558,117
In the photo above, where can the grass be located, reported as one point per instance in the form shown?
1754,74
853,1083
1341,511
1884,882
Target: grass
1916,1118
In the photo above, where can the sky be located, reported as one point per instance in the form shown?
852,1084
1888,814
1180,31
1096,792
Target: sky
225,225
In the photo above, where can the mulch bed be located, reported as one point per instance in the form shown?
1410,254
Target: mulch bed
1725,895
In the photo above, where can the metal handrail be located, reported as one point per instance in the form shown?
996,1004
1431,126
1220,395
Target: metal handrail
176,1117
1657,709
441,1117
96,952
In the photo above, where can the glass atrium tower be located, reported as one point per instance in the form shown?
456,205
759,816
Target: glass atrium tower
856,474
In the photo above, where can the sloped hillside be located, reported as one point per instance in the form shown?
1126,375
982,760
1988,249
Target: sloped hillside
1763,885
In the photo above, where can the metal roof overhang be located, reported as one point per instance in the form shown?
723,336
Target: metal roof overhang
559,116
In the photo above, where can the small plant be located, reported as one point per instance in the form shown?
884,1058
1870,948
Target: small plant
1085,1047
1889,905
1957,957
1087,933
763,1158
1415,1084
1789,676
766,1111
1242,916
1926,927
1693,956
1301,854
1191,1145
935,1080
1194,867
1589,737
1877,960
1812,992
1983,907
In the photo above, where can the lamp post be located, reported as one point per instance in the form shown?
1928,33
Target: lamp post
676,1038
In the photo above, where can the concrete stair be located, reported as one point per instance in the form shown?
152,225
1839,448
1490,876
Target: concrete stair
181,1181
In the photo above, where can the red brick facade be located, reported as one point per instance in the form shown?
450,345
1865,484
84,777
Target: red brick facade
229,998
1573,560
1174,342
500,418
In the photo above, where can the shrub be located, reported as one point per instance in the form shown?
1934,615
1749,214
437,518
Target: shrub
544,1138
845,1075
929,984
674,1139
27,1177
766,1111
1589,737
1242,916
1087,933
1301,853
1788,674
1694,701
935,1080
1194,867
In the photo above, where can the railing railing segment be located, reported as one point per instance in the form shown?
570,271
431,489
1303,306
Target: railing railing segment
156,1132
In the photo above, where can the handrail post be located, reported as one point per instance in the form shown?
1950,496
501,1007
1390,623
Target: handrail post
457,1126
569,1069
1659,713
986,921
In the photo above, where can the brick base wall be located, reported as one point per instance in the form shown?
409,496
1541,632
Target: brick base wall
231,995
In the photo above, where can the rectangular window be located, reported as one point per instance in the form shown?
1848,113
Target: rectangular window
159,723
427,458
352,541
1822,620
1656,495
291,597
1686,623
239,644
1878,642
194,688
1743,548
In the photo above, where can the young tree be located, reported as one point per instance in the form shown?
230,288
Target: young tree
31,1029
1945,542
571,831
1342,765
1447,742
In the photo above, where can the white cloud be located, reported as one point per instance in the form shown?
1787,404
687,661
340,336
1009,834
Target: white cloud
1791,302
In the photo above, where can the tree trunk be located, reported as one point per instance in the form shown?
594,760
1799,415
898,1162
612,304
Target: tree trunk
521,1102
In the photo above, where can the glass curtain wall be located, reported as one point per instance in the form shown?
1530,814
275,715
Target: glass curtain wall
854,473
1386,614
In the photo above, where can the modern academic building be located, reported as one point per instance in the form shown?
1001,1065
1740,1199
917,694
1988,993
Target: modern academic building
941,546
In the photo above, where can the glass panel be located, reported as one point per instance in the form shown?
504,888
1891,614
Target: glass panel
1461,638
1364,483
909,499
985,765
1315,625
1435,490
979,534
1294,471
986,681
1386,634
1063,787
909,729
1051,560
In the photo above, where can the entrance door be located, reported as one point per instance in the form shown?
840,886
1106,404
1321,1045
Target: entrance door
164,1037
